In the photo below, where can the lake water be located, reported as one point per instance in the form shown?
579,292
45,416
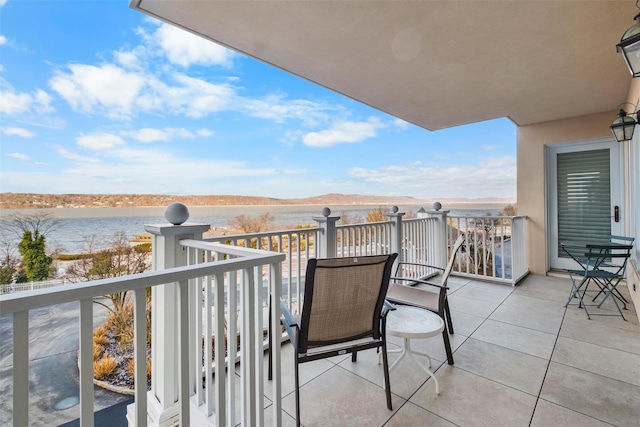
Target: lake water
75,225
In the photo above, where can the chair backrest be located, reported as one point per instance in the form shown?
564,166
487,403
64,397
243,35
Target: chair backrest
452,259
343,299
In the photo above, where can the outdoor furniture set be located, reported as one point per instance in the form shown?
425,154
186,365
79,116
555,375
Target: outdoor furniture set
351,304
602,263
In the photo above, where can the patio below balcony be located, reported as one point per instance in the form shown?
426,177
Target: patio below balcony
521,359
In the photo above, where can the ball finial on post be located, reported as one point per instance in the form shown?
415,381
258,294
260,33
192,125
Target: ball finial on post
437,206
326,212
176,213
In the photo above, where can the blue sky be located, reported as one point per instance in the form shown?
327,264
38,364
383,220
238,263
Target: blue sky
97,98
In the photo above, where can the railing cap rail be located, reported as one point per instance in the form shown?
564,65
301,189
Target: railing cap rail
28,300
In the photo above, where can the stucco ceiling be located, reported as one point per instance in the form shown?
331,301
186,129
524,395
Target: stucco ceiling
437,64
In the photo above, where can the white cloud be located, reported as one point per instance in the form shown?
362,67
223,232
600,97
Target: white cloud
100,141
108,88
166,134
276,108
15,103
2,2
24,133
19,156
185,49
70,155
3,40
491,175
343,132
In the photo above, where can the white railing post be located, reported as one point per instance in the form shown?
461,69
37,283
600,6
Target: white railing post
328,235
163,399
441,254
395,243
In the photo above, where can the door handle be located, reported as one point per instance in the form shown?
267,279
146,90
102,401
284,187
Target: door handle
616,214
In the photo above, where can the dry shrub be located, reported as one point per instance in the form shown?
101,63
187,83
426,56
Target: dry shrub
104,367
100,337
121,323
97,351
100,330
131,369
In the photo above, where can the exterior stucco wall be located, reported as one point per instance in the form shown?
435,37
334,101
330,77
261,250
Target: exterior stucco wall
531,177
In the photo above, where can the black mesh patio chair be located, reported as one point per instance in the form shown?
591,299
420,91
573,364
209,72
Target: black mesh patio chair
404,290
344,311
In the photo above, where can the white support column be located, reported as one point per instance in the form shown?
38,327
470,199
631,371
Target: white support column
441,255
163,406
396,233
328,237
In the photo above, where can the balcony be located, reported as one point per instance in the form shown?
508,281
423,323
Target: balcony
521,357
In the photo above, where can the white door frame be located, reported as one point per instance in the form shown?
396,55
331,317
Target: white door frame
617,194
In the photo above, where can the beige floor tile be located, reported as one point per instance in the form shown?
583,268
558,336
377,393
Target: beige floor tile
549,414
599,360
538,290
525,340
534,313
511,368
482,293
308,370
599,397
471,306
341,398
412,415
465,324
604,335
494,287
287,420
467,399
406,377
576,316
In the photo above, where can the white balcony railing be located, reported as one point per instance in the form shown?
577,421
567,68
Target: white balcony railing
232,268
494,247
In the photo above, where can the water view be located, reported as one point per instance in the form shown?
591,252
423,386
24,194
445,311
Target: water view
75,225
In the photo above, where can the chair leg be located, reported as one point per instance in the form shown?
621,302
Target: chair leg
354,356
385,366
447,313
447,346
270,369
297,392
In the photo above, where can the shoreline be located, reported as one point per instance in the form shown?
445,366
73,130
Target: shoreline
207,210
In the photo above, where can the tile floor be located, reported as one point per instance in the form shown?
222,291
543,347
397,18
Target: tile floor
521,359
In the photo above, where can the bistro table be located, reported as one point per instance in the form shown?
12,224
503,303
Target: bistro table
413,323
601,262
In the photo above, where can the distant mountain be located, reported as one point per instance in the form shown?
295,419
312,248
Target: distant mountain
33,200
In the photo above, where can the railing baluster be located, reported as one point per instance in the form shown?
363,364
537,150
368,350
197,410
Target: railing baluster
232,309
86,362
207,347
21,368
140,356
248,349
218,384
183,351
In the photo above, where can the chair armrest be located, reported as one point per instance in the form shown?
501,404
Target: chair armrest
287,317
424,282
420,265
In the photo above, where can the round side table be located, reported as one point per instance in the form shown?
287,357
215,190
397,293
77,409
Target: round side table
411,322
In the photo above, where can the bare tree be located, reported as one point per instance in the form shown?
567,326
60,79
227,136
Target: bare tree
40,223
249,224
120,259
